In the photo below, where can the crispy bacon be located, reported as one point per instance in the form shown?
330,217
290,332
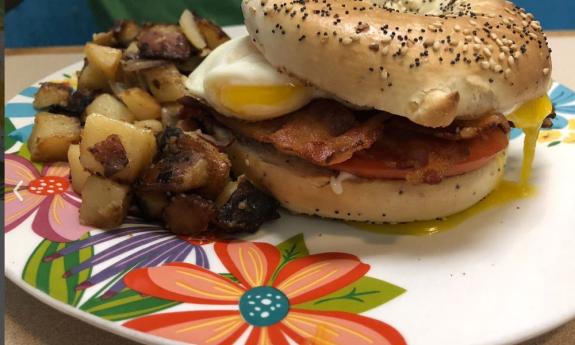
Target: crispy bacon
324,132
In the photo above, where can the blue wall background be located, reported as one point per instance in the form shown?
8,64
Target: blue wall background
70,22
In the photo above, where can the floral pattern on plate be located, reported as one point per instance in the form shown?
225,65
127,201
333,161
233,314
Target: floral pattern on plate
142,277
269,295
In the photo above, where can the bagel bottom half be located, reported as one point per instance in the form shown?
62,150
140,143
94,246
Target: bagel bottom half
304,188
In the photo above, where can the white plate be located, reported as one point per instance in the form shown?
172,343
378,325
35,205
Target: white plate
502,276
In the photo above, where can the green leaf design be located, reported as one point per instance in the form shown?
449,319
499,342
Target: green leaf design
291,249
363,295
125,305
8,128
230,277
551,144
25,152
49,276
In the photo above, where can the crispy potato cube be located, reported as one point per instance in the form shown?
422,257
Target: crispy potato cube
106,59
165,83
170,113
153,125
244,208
126,31
132,51
51,94
141,104
152,204
91,78
110,106
105,39
212,33
52,135
189,214
105,203
78,174
137,148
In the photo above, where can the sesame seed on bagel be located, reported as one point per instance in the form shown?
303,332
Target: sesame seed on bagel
431,61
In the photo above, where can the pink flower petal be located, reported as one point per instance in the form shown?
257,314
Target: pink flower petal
252,263
72,198
56,169
314,276
267,336
58,220
184,283
213,327
19,169
16,211
314,327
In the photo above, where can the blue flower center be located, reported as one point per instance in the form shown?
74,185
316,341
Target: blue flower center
264,306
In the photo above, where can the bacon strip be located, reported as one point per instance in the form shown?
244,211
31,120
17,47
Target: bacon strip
324,132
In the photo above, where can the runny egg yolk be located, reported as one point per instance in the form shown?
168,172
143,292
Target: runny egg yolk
242,99
529,118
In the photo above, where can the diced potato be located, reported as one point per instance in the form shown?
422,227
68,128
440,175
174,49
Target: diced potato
139,145
153,125
243,207
52,135
189,214
105,203
141,104
91,78
78,174
170,113
152,204
51,94
105,39
165,83
126,31
110,106
105,59
132,51
212,33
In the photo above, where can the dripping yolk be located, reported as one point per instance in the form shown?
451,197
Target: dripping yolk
529,118
532,113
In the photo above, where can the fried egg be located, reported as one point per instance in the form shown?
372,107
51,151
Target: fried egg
237,81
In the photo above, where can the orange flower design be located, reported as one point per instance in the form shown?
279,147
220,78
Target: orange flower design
263,303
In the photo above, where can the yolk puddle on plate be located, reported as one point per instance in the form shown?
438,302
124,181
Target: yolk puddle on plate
528,117
505,192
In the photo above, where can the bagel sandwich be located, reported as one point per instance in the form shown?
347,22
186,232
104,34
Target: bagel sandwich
375,111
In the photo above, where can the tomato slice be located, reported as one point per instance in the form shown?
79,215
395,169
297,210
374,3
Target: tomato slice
398,154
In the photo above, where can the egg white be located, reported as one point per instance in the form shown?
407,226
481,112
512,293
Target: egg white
238,67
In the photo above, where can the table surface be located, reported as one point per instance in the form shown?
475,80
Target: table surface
30,322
